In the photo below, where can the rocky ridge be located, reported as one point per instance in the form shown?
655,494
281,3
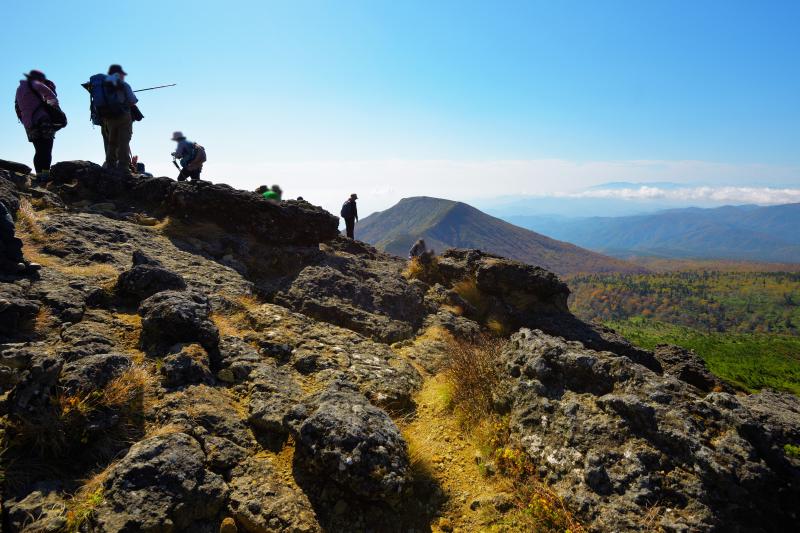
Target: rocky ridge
210,361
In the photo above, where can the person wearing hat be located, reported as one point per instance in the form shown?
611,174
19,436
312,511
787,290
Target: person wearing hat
190,155
34,94
350,214
117,130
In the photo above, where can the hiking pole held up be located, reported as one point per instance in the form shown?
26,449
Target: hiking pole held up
158,87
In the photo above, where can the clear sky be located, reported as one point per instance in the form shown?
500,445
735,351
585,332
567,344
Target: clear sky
461,99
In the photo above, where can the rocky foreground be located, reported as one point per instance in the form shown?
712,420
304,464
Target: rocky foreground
195,358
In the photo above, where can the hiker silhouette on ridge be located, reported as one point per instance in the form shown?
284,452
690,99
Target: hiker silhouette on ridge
37,107
113,108
350,215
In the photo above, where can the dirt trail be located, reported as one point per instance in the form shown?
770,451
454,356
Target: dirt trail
441,449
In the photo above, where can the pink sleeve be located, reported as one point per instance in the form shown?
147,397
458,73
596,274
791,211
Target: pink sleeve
45,92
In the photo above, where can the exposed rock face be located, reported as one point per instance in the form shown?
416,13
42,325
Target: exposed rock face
171,317
161,485
272,389
613,438
354,444
234,210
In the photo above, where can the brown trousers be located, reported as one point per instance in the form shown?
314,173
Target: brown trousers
117,133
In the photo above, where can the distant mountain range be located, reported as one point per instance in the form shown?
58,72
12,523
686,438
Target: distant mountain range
449,224
746,232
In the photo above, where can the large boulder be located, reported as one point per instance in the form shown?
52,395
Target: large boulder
161,486
626,447
354,443
231,209
260,502
172,317
147,277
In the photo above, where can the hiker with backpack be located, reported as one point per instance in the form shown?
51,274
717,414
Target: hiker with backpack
191,155
113,106
37,108
419,249
350,214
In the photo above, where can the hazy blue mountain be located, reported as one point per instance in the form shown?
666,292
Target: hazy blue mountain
746,232
445,224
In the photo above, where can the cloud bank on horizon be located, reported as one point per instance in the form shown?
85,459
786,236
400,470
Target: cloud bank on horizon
692,195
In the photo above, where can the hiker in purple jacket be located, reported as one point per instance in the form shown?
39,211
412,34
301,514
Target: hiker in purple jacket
34,94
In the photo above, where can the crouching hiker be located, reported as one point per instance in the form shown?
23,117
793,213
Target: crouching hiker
37,108
11,259
273,193
191,155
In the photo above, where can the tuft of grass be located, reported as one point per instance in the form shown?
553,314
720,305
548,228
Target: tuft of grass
81,507
469,291
474,376
29,221
64,426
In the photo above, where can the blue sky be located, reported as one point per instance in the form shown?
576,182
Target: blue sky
459,99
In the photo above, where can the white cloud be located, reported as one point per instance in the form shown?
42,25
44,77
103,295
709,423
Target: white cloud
704,195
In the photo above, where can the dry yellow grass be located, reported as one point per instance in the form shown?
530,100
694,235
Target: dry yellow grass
29,222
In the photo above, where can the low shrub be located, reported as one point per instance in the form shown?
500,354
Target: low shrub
474,377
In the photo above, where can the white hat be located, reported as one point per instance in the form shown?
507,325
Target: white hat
178,136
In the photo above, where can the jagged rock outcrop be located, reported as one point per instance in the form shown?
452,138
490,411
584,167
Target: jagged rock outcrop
231,209
613,438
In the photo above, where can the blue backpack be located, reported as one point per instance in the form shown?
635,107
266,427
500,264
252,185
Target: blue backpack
105,101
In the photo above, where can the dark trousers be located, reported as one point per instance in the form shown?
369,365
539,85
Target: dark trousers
44,154
193,175
350,224
118,145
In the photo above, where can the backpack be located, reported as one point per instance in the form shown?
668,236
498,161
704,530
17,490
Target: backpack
347,210
104,99
199,154
58,119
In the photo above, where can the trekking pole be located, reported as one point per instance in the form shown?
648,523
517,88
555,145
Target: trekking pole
180,170
158,87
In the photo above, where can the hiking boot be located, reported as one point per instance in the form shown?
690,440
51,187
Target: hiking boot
33,267
20,268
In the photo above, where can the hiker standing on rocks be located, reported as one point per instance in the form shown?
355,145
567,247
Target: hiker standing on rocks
350,215
112,103
192,157
11,259
419,249
37,108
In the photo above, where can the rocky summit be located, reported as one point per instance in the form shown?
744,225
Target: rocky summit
192,357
